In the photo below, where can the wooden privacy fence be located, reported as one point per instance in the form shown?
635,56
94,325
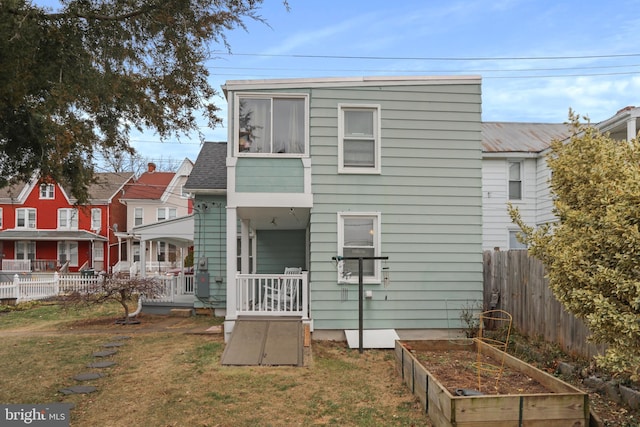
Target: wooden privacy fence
516,283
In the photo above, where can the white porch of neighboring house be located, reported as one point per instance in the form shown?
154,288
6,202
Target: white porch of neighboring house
179,281
256,291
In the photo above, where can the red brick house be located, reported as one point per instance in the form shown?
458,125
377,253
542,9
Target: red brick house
42,228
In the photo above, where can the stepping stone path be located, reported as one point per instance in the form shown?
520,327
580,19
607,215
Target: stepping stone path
88,376
104,353
105,364
79,389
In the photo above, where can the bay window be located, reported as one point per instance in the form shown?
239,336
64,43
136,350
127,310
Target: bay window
270,124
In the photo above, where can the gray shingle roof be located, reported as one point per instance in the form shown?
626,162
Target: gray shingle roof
210,169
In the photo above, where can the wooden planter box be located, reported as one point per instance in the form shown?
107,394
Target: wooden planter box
565,405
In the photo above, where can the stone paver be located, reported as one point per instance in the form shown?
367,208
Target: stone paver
104,353
104,364
113,344
79,389
88,376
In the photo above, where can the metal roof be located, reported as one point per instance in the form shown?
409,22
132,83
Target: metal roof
510,137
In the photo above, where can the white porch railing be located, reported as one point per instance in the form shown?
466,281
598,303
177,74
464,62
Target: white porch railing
19,265
178,288
273,294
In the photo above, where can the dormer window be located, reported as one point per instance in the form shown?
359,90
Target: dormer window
47,191
271,125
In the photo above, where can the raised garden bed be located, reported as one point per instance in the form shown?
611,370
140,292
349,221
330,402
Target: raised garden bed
523,396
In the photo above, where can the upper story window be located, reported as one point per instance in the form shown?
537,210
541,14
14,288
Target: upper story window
47,191
166,213
25,218
515,180
0,218
137,216
68,218
96,219
359,236
359,138
271,124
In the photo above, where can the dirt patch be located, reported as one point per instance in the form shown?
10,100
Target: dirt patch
466,369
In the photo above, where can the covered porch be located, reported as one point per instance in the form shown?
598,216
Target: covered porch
268,263
168,266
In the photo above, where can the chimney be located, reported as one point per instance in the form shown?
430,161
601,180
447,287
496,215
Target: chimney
151,167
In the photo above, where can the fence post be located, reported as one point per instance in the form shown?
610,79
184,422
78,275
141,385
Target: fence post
56,283
16,284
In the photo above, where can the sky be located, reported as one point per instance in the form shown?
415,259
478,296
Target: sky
537,58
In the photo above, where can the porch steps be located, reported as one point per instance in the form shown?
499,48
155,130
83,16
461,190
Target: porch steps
265,341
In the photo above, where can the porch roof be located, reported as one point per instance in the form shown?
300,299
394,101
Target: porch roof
178,231
50,235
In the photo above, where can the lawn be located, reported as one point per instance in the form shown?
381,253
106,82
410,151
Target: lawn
169,377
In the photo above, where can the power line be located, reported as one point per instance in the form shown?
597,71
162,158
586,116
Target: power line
434,58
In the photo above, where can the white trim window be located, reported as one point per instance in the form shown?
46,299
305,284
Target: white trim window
96,219
514,243
68,219
137,216
359,138
166,213
271,125
68,251
47,191
25,250
0,218
515,180
359,236
25,218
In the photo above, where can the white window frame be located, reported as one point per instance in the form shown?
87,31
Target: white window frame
47,191
96,219
70,250
521,181
136,217
167,213
513,242
67,219
271,96
26,214
375,109
0,218
376,233
27,248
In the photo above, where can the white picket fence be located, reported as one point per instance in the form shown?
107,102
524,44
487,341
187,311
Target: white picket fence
23,288
36,288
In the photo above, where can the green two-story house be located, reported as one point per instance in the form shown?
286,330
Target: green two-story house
387,169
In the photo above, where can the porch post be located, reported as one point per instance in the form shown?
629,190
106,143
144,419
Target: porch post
631,129
232,251
244,246
143,257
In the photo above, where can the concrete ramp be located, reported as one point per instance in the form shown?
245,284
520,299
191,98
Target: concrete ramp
265,341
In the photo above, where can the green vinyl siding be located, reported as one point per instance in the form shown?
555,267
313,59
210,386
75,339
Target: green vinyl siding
279,249
210,243
269,175
429,197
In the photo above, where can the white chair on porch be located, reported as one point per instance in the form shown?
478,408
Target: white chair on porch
283,295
